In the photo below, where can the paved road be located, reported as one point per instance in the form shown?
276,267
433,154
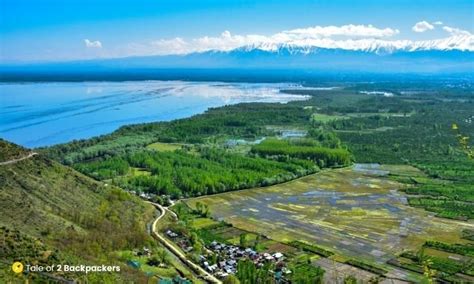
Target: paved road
18,159
196,268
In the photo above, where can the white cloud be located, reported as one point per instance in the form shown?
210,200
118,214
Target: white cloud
349,37
93,44
346,30
312,35
438,23
422,26
177,44
456,31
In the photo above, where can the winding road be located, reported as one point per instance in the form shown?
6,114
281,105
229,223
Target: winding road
196,268
18,159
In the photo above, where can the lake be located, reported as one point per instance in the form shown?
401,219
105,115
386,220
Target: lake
42,114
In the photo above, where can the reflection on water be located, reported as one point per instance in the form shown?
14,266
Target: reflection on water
371,169
352,211
39,114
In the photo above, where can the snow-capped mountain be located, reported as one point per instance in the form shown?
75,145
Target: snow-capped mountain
461,42
451,55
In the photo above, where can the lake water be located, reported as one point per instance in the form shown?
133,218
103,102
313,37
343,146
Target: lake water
41,114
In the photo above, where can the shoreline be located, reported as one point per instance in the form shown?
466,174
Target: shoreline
183,100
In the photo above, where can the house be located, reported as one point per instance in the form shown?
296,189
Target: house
145,195
134,264
180,280
146,252
221,274
171,234
211,268
232,249
277,255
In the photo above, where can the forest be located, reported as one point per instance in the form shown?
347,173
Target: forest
205,171
303,149
342,126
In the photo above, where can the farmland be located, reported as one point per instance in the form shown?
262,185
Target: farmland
353,212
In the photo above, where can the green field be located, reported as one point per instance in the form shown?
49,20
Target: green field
320,117
164,147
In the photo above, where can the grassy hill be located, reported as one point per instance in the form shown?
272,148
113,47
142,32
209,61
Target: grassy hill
51,214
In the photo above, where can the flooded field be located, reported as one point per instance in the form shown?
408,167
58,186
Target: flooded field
356,212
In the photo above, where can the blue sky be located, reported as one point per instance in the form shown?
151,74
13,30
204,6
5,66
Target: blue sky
49,30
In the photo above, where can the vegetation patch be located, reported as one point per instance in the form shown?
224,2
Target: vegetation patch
200,223
165,147
324,118
303,150
181,173
367,266
312,248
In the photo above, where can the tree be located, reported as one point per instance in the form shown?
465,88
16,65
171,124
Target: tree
257,244
463,142
197,247
199,208
162,256
153,261
426,263
206,212
243,240
350,280
231,279
307,274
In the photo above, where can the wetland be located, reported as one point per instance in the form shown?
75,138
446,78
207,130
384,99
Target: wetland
358,211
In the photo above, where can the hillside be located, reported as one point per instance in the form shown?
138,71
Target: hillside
51,214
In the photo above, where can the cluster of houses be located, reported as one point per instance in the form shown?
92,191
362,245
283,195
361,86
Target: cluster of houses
182,242
229,256
144,195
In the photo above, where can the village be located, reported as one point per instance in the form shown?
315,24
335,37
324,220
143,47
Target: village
222,260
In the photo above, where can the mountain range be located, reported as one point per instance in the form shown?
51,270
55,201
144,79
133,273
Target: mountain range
437,56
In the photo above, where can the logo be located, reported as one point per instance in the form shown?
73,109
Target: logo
17,267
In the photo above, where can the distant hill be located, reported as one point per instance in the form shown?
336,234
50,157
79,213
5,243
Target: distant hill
300,58
51,214
373,59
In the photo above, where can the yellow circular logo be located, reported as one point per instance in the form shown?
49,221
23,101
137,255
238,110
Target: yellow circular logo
17,267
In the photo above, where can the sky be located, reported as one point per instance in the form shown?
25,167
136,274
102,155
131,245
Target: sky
61,30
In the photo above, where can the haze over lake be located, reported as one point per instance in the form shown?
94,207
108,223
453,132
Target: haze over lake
41,114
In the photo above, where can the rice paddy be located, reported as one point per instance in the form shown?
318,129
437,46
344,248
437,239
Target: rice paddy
356,212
